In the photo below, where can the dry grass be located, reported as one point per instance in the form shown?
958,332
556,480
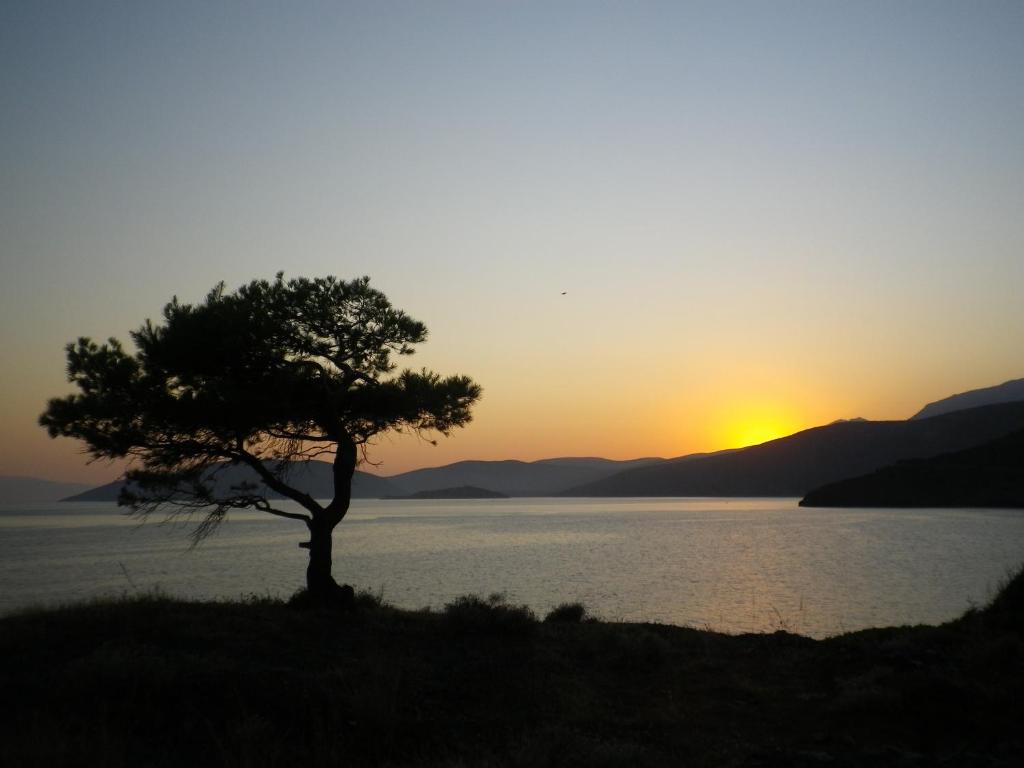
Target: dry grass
153,681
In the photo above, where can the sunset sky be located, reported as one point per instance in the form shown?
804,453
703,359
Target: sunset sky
765,216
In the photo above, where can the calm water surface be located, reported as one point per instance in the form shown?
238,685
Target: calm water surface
729,564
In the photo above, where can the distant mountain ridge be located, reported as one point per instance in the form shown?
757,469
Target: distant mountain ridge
1007,392
545,477
507,478
789,466
988,475
314,478
793,465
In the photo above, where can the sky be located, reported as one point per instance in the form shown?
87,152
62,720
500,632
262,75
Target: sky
764,216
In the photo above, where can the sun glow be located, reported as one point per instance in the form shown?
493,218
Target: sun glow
753,426
755,434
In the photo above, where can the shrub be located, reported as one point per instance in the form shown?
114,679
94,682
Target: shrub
370,601
567,613
494,615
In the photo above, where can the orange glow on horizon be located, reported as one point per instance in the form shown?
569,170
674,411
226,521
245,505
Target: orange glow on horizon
755,434
756,424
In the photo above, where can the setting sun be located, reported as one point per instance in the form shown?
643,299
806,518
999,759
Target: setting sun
753,426
757,433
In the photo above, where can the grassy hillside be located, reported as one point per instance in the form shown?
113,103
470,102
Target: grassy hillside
161,682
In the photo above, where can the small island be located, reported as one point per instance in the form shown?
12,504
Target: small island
459,492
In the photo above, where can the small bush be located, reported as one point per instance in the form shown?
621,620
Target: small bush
370,601
566,613
491,616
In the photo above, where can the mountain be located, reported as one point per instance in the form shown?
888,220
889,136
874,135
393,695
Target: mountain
1007,392
313,477
507,478
23,490
516,478
989,475
791,466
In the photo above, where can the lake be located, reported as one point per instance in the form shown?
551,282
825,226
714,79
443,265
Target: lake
733,565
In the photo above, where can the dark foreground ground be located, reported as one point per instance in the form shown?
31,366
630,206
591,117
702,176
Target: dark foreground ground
161,682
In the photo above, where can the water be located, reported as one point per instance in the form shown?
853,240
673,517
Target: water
733,565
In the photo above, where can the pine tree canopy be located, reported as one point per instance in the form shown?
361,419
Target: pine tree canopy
276,372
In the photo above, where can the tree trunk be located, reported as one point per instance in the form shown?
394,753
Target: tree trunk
319,582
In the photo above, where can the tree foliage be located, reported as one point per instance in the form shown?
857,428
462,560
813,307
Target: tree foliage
274,373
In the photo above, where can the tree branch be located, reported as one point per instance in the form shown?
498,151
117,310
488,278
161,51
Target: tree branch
265,507
304,436
272,481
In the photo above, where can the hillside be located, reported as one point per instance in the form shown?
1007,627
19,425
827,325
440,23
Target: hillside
791,466
1007,392
545,477
313,478
516,478
160,682
989,475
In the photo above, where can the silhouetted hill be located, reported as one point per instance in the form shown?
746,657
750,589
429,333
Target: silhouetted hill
516,478
1007,392
791,466
462,492
313,477
989,475
22,490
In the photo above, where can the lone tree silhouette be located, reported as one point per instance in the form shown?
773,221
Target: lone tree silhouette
276,373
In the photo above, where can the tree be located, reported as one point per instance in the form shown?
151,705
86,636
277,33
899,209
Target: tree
276,373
